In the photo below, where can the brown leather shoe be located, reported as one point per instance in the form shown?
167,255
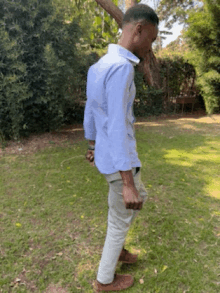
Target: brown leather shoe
127,257
120,282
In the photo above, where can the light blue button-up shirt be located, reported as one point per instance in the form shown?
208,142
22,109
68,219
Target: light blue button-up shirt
108,117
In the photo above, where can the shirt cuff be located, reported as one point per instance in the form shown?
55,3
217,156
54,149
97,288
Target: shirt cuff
122,165
90,136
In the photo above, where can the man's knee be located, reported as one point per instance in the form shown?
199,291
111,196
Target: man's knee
121,221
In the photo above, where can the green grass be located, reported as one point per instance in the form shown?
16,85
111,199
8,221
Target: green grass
54,211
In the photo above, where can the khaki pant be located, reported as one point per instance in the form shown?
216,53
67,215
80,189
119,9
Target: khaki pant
119,221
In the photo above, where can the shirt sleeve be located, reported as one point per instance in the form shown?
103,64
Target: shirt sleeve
89,122
117,88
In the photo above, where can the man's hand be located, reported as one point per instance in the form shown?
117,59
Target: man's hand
131,198
90,157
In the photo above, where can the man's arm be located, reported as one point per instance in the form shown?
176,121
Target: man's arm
118,85
89,122
127,178
117,89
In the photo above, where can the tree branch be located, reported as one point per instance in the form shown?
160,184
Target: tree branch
113,10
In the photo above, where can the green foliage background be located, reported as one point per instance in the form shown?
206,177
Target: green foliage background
47,47
203,36
41,67
27,31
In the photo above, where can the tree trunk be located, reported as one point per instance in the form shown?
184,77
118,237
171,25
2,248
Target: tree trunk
149,66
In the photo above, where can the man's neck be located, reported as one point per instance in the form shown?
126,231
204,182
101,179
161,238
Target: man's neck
125,43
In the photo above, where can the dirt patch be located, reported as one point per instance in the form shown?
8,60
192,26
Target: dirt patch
65,137
55,289
22,281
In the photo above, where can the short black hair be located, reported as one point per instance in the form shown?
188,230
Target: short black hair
140,12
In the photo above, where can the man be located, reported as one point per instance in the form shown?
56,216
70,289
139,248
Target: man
108,125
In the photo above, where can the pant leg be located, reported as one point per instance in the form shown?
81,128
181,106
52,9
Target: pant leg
119,221
142,192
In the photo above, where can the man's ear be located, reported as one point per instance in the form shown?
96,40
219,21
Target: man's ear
139,28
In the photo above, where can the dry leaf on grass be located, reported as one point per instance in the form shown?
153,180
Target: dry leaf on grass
59,253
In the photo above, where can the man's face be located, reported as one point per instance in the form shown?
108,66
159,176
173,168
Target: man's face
145,36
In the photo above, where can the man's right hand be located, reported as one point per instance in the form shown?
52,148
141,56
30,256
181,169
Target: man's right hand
131,198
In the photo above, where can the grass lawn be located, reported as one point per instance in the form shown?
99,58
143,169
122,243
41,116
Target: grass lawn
54,210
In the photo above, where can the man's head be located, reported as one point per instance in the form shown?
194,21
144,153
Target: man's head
139,29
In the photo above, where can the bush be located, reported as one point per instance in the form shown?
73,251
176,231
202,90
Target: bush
204,41
148,100
13,90
40,67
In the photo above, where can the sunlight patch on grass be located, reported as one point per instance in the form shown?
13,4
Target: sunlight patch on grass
210,119
213,189
177,161
184,158
177,157
189,126
206,119
146,123
215,193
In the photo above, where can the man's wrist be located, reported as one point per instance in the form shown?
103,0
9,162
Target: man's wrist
91,145
127,178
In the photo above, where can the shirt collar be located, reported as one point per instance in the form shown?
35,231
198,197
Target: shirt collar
117,49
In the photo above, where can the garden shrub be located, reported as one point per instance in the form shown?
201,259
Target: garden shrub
148,100
13,89
40,67
203,37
